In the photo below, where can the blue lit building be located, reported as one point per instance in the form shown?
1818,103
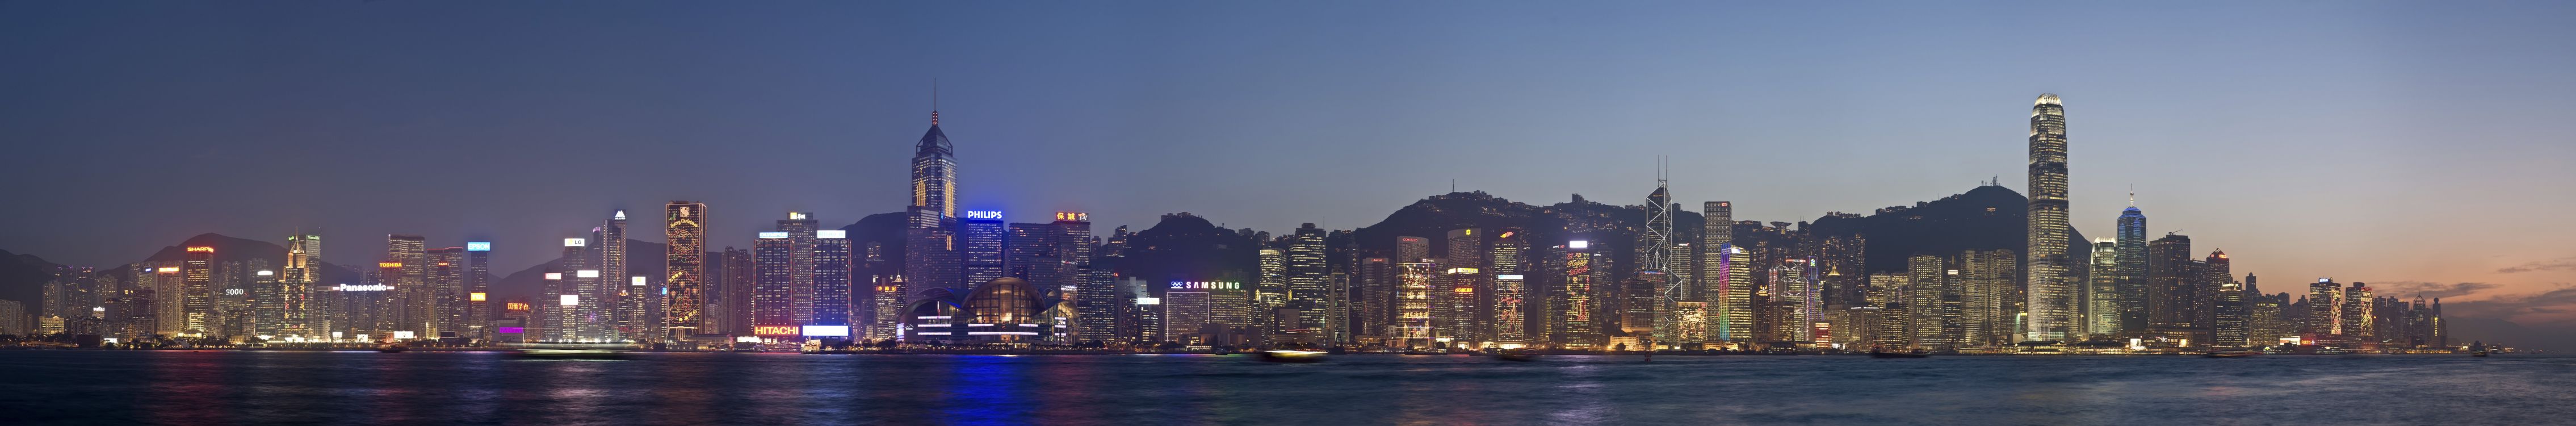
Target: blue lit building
983,235
831,278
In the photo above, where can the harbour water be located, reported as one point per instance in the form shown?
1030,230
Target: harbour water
262,388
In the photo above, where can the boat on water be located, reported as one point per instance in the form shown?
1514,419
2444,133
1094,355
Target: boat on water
1899,355
1520,356
2478,353
2233,354
1290,356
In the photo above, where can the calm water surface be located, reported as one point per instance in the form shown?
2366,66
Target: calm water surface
261,388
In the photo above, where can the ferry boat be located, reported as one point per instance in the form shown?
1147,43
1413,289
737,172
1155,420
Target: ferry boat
1290,356
1900,355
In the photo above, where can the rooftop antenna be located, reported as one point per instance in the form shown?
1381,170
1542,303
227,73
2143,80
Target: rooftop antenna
934,101
2133,195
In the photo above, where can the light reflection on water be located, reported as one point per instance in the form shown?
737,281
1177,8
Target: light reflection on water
220,388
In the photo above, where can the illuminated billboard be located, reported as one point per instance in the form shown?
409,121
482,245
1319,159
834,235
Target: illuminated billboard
267,273
1578,244
1073,216
831,233
402,335
201,249
554,275
571,300
795,215
638,281
1207,285
369,287
478,246
388,265
1508,277
477,297
827,331
515,306
513,330
168,270
776,330
574,242
586,273
773,235
995,215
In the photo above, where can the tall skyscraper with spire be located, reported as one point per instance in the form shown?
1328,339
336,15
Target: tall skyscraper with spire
2131,246
930,249
625,308
2051,294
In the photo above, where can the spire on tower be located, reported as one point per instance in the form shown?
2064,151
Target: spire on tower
934,101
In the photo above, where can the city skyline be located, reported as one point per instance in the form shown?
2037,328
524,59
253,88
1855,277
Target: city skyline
842,160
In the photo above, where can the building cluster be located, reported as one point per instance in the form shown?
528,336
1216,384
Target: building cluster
1493,275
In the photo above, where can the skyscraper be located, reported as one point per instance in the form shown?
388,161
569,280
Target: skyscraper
1732,295
2051,292
447,292
983,235
1413,304
930,257
478,290
1575,321
832,284
625,308
412,296
1307,278
773,299
684,231
196,300
1658,259
2101,311
1455,310
800,228
2174,303
2132,287
303,257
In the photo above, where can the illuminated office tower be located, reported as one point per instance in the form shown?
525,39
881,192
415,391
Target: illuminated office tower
1987,281
930,257
888,300
1716,233
197,303
2052,292
1308,277
1030,254
1895,323
413,298
1100,299
2264,317
1270,292
2173,288
580,290
2132,247
392,312
1511,324
478,290
2325,307
1073,255
2231,323
2101,299
1638,308
303,314
2359,324
556,313
1575,321
1732,295
2222,300
773,261
981,238
1412,249
1413,302
269,299
624,313
800,228
447,292
1657,256
1377,298
1459,313
832,282
739,287
1926,291
1185,315
684,230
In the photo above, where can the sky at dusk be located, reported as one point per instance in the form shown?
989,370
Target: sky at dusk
2419,145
